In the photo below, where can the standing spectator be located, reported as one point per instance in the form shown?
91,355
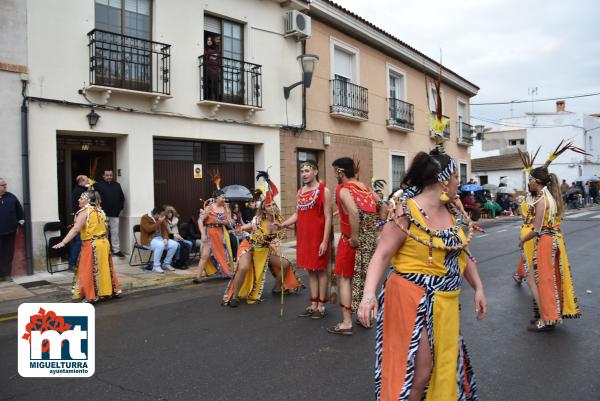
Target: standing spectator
564,187
154,235
113,201
594,191
236,215
586,192
83,183
11,215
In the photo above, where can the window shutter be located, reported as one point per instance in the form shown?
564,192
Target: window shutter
212,24
343,63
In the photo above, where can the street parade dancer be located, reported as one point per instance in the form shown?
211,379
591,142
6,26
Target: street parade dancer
257,252
360,210
550,278
313,228
217,255
95,276
420,353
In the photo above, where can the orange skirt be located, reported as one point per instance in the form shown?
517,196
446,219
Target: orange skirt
95,276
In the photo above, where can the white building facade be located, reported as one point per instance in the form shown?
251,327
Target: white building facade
544,131
167,99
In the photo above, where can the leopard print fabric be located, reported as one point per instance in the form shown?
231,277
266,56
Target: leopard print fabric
367,242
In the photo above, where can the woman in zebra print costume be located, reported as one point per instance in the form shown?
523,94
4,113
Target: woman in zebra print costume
420,354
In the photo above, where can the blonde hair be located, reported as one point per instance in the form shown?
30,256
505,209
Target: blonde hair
169,208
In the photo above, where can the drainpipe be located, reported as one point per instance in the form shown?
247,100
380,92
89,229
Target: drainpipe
303,126
25,179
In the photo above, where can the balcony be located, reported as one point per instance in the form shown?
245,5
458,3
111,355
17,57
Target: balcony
125,64
349,101
465,133
401,115
231,83
446,129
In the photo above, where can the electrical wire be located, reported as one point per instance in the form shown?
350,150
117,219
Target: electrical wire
535,100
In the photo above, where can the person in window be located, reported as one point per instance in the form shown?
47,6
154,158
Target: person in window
211,70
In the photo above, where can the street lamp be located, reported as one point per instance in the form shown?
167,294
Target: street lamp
308,62
93,117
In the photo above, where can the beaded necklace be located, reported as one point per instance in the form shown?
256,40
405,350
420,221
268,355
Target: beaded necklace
436,233
308,199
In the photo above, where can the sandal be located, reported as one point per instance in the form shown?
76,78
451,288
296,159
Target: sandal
308,312
233,303
337,330
538,327
319,314
518,279
197,280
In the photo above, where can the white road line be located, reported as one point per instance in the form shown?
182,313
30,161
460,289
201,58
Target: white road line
580,214
482,235
596,216
501,231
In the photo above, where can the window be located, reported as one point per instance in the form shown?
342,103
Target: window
229,153
515,142
125,17
398,170
461,111
433,98
463,173
343,73
124,61
224,45
483,179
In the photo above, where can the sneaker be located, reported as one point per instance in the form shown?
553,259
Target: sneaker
119,254
157,269
168,267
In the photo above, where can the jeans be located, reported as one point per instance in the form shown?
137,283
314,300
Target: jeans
185,242
7,247
75,250
114,234
157,246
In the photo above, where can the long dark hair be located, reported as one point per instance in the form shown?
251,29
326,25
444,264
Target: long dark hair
550,180
424,169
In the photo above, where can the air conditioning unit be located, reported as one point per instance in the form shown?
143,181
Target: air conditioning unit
297,24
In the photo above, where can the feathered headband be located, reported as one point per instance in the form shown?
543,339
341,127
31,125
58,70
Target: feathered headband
438,121
272,190
562,147
216,177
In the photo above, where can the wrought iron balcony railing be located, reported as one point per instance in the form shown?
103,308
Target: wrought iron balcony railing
401,114
465,133
349,99
230,81
122,61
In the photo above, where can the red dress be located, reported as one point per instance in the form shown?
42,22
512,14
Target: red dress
345,255
310,227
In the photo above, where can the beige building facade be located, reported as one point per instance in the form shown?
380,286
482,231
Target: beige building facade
368,99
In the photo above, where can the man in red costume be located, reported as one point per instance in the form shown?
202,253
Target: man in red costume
313,223
359,209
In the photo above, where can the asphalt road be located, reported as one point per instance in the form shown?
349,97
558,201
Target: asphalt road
180,344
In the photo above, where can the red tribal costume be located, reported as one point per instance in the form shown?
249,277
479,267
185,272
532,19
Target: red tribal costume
310,226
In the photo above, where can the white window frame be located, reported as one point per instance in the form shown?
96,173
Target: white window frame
432,89
336,43
467,118
392,69
460,163
394,152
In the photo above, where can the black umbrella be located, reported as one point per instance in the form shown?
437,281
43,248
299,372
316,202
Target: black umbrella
237,193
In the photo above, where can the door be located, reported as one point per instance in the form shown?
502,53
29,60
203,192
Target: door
398,111
398,171
233,74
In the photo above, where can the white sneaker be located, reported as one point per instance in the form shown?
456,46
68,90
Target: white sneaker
157,269
168,267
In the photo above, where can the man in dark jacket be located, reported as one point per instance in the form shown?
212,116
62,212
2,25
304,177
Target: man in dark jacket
83,183
113,201
11,216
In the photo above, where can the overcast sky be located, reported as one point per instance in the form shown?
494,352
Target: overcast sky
503,46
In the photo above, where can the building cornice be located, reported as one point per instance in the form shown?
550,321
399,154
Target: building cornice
336,16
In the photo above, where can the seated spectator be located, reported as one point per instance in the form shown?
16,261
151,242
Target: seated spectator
185,246
236,215
154,235
249,211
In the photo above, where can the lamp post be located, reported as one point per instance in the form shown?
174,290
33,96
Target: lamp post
308,62
93,117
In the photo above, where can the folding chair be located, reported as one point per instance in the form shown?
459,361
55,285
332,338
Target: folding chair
139,248
51,253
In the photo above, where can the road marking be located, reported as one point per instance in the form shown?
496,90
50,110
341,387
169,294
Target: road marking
501,231
596,216
580,214
482,235
7,318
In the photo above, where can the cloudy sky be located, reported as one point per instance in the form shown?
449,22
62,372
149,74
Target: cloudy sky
503,46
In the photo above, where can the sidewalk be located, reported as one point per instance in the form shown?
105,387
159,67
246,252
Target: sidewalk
45,287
